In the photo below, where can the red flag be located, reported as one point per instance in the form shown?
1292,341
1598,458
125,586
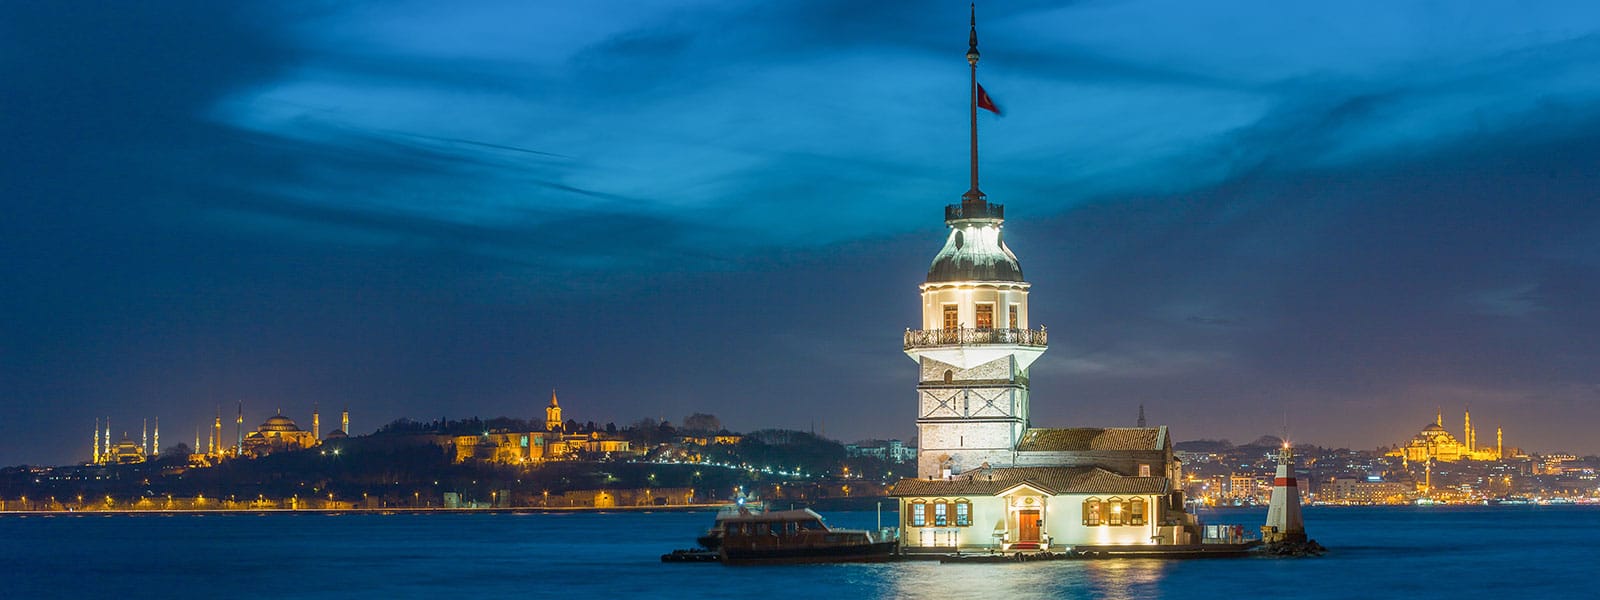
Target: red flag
985,102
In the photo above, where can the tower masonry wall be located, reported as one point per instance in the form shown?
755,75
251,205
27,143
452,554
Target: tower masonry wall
1000,369
930,465
975,403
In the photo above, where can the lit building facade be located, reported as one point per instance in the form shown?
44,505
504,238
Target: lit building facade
531,447
278,433
1437,444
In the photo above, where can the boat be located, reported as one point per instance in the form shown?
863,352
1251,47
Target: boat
797,536
712,540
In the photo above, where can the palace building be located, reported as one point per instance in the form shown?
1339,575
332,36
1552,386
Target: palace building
533,447
986,477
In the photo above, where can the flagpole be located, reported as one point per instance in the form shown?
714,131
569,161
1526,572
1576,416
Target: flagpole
973,195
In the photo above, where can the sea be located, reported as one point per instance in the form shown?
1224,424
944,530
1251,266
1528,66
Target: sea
1373,552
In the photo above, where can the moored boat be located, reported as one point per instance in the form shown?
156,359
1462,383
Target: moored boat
712,539
797,536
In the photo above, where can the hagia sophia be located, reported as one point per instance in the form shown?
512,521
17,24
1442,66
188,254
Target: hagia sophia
1435,443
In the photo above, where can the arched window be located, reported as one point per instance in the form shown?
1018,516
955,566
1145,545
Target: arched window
941,513
1117,512
963,512
949,376
919,513
1091,511
1136,511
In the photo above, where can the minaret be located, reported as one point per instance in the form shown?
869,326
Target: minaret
1499,443
1283,515
344,421
107,452
1466,430
238,427
974,348
96,440
144,437
196,448
1141,416
552,414
316,423
216,434
156,439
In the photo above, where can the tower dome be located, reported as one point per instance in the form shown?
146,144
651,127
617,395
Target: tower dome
278,423
975,249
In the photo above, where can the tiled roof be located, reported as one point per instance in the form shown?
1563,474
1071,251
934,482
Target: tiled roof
1090,438
1051,480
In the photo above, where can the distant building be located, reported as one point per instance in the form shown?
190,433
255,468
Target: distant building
1350,490
277,434
889,450
532,447
1437,444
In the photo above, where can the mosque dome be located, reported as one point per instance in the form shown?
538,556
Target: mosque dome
335,434
278,423
976,249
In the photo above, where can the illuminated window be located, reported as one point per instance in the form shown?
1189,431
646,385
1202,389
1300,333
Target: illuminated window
1136,511
1014,321
919,514
1144,470
941,514
1115,517
963,513
1091,511
985,319
952,318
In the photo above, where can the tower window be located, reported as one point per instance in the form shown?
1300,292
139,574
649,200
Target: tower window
952,319
985,317
1015,321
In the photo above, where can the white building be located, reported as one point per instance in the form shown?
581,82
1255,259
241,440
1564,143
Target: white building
986,478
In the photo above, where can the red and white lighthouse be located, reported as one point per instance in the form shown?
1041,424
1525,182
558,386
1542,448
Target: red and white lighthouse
1283,515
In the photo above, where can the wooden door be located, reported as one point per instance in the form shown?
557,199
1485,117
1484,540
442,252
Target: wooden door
1028,526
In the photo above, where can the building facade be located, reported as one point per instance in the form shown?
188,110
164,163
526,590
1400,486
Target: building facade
986,477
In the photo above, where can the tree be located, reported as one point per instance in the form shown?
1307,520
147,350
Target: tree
702,422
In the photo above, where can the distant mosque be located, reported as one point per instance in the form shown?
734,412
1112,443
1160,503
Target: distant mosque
278,433
987,478
1437,444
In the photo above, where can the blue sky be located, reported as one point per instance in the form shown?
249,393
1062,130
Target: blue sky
1231,213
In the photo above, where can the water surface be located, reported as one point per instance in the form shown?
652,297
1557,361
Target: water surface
1433,552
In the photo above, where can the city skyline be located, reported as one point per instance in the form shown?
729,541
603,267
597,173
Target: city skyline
1351,216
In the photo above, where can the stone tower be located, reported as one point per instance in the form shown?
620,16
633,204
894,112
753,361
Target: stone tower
974,347
552,414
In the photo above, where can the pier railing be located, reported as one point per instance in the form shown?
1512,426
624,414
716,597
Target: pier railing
928,338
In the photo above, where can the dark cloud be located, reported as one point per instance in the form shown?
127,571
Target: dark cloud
727,209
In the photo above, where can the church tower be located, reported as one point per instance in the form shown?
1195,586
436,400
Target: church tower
974,348
552,414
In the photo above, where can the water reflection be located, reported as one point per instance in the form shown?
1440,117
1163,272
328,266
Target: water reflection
1110,579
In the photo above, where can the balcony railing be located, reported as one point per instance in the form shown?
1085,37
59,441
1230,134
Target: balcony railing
927,338
974,210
